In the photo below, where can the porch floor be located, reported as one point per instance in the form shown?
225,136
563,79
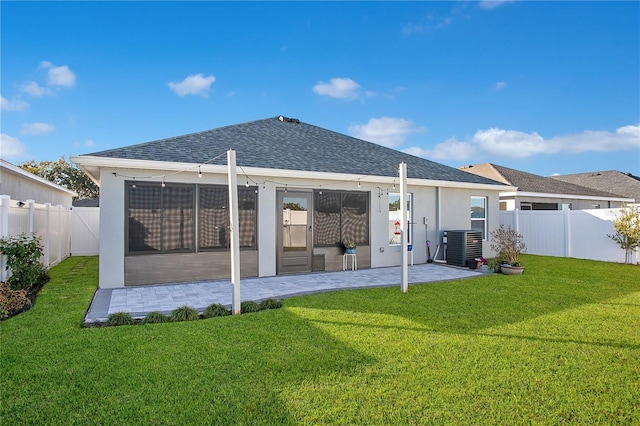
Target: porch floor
139,301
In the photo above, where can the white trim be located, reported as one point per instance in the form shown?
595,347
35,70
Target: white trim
17,170
572,196
88,162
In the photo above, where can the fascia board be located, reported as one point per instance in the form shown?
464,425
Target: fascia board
576,197
90,162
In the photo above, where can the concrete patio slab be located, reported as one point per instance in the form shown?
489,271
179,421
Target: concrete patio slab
139,301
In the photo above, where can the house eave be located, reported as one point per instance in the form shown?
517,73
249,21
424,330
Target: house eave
92,165
565,196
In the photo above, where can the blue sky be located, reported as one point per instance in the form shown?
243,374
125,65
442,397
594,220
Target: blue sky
543,87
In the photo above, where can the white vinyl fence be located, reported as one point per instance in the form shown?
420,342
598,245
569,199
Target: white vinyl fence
568,233
50,223
85,231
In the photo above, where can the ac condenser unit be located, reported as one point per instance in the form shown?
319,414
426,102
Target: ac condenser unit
462,246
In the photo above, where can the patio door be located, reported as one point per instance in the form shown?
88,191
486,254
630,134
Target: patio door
295,237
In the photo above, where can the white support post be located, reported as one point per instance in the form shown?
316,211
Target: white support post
404,225
235,237
4,231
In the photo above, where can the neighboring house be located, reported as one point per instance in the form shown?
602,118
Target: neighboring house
303,191
534,192
621,183
22,185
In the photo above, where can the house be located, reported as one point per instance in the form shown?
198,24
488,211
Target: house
22,185
621,183
303,191
534,192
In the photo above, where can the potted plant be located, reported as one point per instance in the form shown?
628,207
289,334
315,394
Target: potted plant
349,246
509,245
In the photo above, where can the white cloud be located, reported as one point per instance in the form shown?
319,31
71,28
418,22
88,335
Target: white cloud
58,76
499,143
501,85
340,88
492,4
89,143
509,143
196,84
11,147
37,129
34,89
16,105
386,131
451,149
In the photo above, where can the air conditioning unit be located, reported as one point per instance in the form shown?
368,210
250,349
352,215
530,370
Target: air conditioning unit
463,245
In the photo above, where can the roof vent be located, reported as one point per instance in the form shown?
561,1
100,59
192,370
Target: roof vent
288,120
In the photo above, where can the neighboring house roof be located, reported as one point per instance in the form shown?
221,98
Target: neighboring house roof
6,166
624,184
287,144
87,202
530,183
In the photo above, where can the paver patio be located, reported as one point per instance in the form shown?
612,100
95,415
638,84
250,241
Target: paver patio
139,301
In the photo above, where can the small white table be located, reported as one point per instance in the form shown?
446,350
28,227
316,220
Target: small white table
345,261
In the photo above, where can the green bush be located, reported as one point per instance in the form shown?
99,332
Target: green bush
23,260
11,300
120,318
249,306
155,317
270,303
184,313
215,310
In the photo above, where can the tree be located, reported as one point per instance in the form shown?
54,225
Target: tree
627,227
65,174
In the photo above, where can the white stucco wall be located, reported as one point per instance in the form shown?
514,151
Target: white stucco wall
445,208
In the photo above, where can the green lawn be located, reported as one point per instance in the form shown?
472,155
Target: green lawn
559,344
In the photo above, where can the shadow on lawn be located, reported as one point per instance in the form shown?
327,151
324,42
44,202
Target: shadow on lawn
217,371
467,306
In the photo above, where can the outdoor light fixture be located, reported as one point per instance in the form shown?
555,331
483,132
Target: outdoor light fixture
199,172
163,184
247,185
359,186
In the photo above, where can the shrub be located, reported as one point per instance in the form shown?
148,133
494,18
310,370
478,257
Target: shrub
184,313
155,317
627,227
270,304
216,310
508,243
249,306
12,300
23,260
494,265
120,318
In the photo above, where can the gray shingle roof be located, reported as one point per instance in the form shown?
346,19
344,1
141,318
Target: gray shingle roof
528,182
289,144
625,184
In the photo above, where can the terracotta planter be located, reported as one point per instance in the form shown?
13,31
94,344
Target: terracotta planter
511,270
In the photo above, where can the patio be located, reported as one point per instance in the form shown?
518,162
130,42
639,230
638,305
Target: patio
139,301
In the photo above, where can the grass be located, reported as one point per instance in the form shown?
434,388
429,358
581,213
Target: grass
559,344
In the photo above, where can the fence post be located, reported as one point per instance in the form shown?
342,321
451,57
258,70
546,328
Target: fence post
47,234
516,220
59,259
4,231
567,233
32,209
